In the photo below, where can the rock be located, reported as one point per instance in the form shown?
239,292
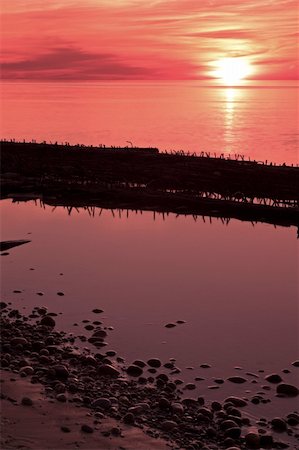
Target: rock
48,321
61,372
134,371
139,363
266,441
253,440
86,428
233,433
101,402
164,403
205,366
295,363
218,380
168,425
26,370
61,398
26,401
3,305
278,424
129,419
18,341
170,325
238,380
273,378
216,406
108,370
97,311
65,429
287,389
154,362
60,294
236,401
227,424
190,386
177,408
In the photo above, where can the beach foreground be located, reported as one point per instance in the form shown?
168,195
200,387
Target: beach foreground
91,400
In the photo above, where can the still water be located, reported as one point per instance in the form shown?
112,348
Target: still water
235,285
260,122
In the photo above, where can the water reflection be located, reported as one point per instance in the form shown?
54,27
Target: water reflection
206,216
231,95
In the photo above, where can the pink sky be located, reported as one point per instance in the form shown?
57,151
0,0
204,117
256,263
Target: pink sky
146,39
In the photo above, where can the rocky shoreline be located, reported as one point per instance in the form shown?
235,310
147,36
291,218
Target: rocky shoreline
142,394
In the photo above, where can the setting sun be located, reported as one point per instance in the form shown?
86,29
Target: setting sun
232,70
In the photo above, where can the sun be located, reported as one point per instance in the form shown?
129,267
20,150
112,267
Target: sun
232,70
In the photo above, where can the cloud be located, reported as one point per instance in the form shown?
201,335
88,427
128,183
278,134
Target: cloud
72,63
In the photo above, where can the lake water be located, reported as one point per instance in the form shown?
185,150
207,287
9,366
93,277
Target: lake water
260,122
236,286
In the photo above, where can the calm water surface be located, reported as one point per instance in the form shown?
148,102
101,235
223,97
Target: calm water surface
236,286
259,122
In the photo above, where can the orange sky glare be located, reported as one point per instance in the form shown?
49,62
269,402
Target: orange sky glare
147,39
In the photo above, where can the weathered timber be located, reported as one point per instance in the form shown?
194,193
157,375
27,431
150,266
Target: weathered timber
148,167
148,180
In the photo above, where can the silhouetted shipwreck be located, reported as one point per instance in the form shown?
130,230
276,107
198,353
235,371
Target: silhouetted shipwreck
146,179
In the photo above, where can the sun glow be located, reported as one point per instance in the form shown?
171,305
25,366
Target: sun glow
232,70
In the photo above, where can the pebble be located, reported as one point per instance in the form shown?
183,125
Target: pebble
238,380
97,311
154,362
108,370
129,419
26,401
61,398
86,428
18,341
287,389
295,363
60,294
253,440
65,429
236,401
134,371
26,370
278,424
273,378
168,425
48,321
190,386
101,402
170,325
61,372
205,366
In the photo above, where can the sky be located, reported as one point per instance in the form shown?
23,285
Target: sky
147,39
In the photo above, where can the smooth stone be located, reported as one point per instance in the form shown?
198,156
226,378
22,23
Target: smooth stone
216,406
27,370
205,366
26,401
61,398
86,428
190,386
253,440
129,418
168,425
102,402
97,311
65,429
295,363
237,380
236,401
154,362
48,321
287,389
170,325
134,371
273,378
278,424
18,341
177,408
107,369
233,433
61,372
60,294
139,363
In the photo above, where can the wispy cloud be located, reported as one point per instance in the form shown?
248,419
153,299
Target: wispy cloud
146,39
